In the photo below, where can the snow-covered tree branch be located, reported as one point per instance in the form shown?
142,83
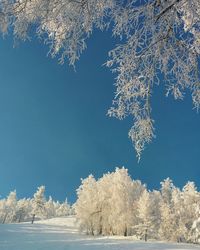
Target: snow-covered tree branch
160,44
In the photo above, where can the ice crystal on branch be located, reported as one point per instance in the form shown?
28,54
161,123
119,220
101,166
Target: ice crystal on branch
158,38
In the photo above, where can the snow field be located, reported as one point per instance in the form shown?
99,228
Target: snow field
63,234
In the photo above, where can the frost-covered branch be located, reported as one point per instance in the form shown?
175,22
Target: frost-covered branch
159,40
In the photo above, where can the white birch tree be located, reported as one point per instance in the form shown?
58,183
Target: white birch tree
87,205
117,210
147,218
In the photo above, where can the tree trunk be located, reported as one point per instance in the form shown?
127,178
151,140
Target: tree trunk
145,235
4,219
33,218
125,232
100,229
19,220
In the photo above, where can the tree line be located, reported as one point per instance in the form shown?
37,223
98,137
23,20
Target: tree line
13,210
117,205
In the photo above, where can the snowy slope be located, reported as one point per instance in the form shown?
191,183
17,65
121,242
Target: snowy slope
62,234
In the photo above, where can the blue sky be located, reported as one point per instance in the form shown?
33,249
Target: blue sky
54,129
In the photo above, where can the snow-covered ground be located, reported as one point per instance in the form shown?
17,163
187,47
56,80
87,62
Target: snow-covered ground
62,234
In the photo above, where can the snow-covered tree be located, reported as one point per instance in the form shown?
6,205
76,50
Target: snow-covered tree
138,189
117,190
195,230
13,210
191,204
147,215
64,209
87,206
168,223
23,210
38,203
160,40
50,208
3,211
10,207
143,207
106,206
94,207
166,190
178,210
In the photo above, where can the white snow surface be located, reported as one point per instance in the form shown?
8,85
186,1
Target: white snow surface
63,234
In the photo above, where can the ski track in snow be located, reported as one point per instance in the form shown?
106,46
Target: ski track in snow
62,234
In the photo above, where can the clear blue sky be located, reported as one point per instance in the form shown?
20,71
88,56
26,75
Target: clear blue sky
54,129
